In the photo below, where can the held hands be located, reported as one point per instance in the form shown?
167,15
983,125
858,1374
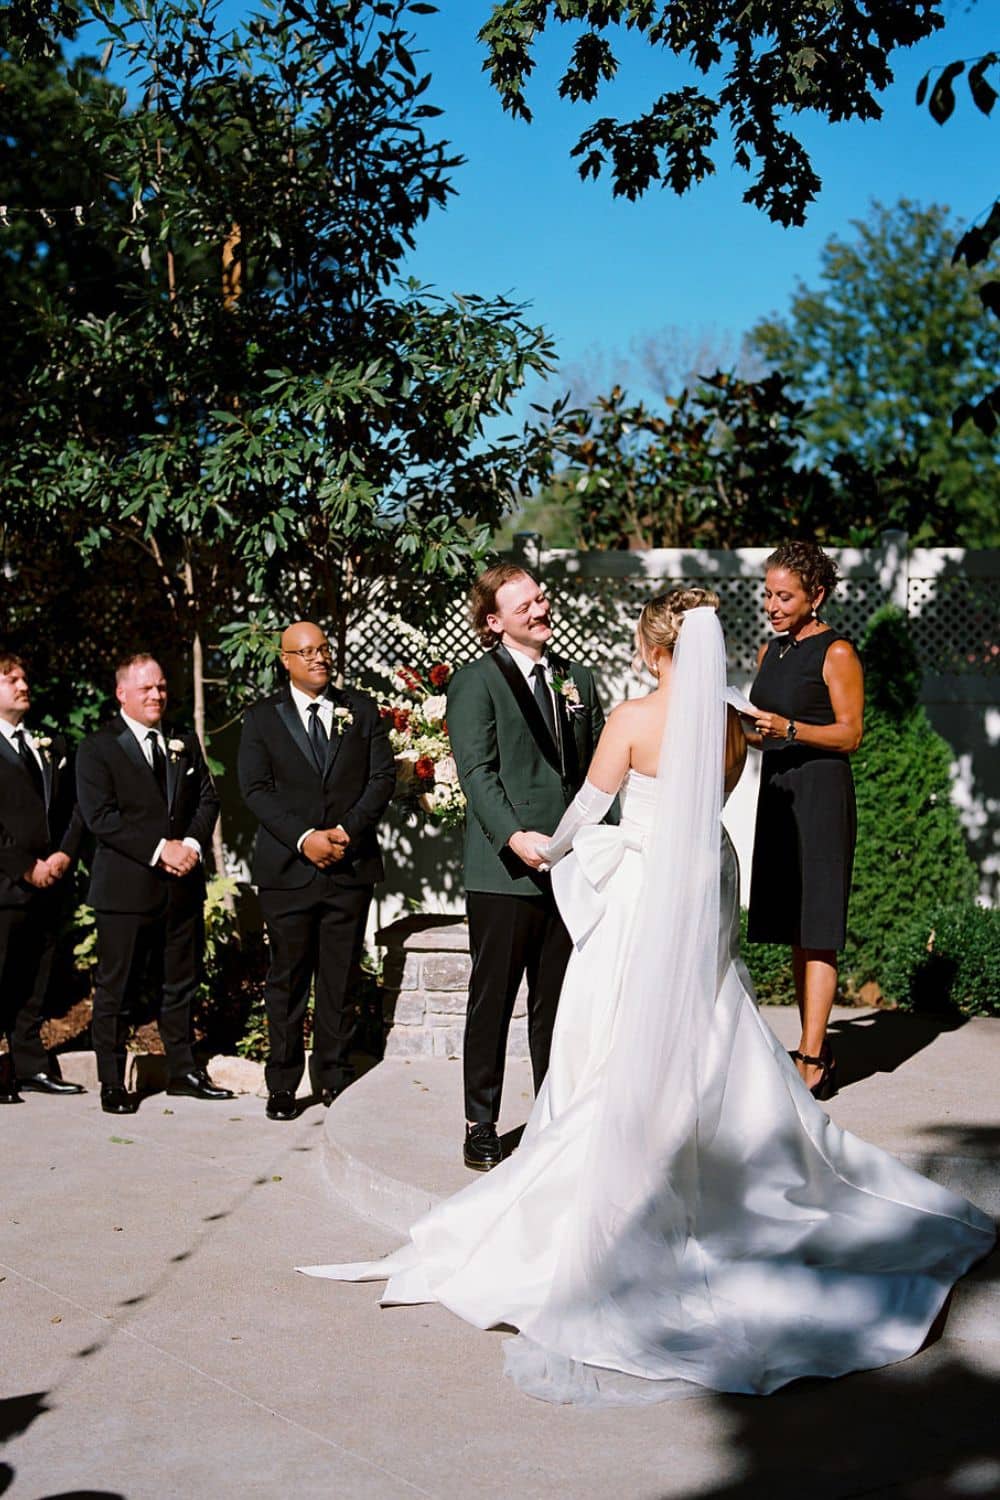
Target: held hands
58,863
178,858
325,847
40,875
530,848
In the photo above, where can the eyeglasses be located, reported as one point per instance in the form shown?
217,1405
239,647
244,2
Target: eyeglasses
312,653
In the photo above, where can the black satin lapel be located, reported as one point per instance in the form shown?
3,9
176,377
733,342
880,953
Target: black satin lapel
526,703
48,777
133,750
337,738
173,770
289,717
7,749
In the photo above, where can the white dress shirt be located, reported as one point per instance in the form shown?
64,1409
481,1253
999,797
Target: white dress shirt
142,732
302,703
526,665
10,730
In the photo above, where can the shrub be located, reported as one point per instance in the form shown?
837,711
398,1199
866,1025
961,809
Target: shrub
911,848
947,958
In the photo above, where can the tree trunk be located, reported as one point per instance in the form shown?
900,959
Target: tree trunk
198,686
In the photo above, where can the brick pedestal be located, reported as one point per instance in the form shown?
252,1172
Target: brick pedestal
426,986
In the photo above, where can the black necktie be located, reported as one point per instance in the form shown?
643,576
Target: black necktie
30,763
158,761
318,737
544,700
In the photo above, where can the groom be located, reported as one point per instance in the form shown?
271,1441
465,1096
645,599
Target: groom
523,724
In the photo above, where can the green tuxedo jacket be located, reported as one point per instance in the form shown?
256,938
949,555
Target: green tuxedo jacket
514,775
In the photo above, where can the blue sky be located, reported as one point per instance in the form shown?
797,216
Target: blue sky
600,273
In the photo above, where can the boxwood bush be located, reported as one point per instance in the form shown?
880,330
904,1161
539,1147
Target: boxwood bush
911,848
946,958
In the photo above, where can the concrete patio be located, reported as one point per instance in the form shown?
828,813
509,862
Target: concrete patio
158,1343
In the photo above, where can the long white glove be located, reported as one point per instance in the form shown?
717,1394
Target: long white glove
588,806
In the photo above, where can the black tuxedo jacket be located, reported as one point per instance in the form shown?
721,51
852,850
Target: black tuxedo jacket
126,812
288,794
32,828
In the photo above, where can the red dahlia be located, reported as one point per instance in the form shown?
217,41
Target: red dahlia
439,674
424,768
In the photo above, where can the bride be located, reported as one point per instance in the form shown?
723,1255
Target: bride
680,1213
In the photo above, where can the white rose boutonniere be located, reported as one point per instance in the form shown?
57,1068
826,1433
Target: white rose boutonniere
43,742
342,718
570,694
176,748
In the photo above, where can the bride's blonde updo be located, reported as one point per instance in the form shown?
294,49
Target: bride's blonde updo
660,620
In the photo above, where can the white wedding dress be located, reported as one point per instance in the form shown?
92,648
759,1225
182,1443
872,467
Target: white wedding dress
680,1212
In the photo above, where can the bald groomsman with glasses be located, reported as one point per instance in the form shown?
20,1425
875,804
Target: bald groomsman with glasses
317,771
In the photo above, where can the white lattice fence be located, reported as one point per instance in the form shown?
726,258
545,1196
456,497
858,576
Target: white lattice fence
952,598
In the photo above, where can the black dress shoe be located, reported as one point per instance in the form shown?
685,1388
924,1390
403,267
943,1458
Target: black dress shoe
116,1100
197,1085
281,1105
8,1083
326,1095
482,1147
44,1083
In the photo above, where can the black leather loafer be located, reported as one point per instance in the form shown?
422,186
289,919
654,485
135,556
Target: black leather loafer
281,1105
116,1100
44,1083
482,1147
197,1085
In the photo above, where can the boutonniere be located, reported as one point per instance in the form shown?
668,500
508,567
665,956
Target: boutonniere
176,748
342,717
43,742
569,693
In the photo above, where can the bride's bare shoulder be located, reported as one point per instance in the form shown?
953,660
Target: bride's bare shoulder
631,709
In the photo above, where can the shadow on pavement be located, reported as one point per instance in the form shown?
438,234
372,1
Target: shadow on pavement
16,1415
893,1433
881,1041
923,1429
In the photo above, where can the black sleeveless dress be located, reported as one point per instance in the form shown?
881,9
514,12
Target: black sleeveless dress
803,849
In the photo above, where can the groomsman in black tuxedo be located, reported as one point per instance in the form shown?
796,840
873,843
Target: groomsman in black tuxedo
40,833
316,770
146,795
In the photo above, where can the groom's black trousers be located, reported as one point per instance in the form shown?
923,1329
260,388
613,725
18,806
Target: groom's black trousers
509,936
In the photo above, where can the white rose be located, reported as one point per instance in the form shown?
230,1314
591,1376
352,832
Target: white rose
434,709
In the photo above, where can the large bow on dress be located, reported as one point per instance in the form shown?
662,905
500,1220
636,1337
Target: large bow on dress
580,880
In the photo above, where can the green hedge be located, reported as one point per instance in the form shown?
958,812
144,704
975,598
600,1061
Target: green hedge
911,848
946,958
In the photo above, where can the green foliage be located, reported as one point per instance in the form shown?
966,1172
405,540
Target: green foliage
883,349
770,968
911,850
216,389
892,668
721,466
755,68
978,240
946,957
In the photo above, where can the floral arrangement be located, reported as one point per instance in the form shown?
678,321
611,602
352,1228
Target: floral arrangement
426,773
